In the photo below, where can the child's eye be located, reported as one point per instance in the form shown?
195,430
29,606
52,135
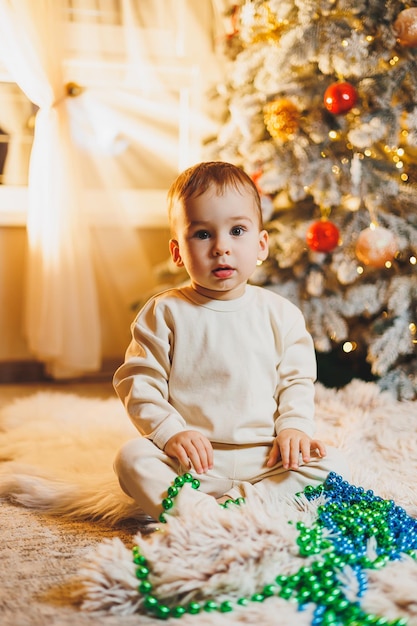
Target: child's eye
237,231
202,234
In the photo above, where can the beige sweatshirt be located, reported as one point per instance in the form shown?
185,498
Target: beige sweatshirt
238,371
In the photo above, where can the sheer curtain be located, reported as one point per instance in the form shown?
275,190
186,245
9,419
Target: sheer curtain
133,123
62,317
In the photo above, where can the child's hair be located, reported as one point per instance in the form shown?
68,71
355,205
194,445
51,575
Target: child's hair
195,180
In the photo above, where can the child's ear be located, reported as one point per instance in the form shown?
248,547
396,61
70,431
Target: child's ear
263,248
175,252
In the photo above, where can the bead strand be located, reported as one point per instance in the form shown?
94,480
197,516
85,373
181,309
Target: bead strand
174,489
353,516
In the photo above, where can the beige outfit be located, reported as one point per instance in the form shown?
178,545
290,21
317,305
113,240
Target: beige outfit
238,371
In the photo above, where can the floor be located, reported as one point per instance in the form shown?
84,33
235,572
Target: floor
40,555
97,389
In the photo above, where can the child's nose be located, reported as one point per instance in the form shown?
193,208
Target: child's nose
221,247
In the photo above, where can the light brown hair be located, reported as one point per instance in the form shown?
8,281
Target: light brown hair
196,180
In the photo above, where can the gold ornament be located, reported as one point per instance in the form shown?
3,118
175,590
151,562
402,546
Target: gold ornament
281,118
260,24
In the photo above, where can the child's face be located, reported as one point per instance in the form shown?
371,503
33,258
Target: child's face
218,241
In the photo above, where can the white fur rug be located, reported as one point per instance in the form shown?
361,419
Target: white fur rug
57,451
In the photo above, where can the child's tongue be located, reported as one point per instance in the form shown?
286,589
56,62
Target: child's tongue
223,272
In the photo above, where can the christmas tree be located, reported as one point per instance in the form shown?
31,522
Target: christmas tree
320,109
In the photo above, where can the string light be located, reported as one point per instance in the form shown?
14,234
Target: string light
413,331
349,346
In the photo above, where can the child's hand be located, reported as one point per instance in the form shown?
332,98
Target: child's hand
288,446
192,449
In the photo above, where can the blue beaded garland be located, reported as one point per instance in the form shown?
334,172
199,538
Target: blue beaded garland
353,516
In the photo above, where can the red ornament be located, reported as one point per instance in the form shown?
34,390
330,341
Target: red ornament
405,27
340,97
322,236
376,246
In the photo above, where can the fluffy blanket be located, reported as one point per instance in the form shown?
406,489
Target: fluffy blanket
245,563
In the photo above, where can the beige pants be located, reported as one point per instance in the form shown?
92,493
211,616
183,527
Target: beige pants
145,472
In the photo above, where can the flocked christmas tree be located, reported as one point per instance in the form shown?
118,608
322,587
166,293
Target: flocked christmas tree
320,108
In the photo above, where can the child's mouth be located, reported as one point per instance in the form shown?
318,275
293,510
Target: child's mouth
223,272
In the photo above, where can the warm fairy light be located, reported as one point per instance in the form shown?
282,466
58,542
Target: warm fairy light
387,148
394,60
349,346
413,260
359,269
344,160
400,151
404,177
352,203
370,38
413,328
368,152
345,43
336,169
333,134
399,165
404,133
388,264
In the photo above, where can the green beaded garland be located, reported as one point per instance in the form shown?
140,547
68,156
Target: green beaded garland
167,503
142,572
226,607
163,611
178,611
145,587
193,608
151,602
351,522
210,605
179,481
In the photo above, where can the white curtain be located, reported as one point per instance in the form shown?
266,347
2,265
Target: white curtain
125,129
62,317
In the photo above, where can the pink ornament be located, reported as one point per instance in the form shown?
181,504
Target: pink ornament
405,27
322,236
376,246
